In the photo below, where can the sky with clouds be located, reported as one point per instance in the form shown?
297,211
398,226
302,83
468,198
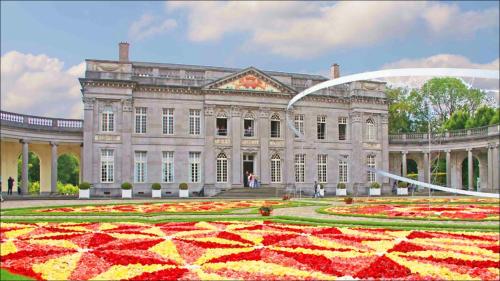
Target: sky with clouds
44,44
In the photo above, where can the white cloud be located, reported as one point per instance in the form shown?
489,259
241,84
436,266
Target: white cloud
148,26
300,29
445,60
39,85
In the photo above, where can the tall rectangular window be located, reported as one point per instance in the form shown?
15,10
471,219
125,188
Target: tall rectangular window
343,167
108,120
275,126
221,123
371,130
300,164
194,166
221,166
194,121
321,127
167,166
371,164
342,128
275,169
140,165
168,121
299,123
248,126
140,120
107,165
322,168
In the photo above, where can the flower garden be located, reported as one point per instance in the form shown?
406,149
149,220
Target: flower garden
232,241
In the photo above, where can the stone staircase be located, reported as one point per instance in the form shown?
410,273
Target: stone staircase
244,193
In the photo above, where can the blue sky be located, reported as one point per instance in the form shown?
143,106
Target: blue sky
290,36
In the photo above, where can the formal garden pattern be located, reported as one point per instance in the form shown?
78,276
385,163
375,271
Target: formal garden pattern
253,250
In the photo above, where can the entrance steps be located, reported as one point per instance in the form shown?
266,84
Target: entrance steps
243,193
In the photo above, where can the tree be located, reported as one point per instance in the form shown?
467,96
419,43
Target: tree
68,169
399,111
482,117
457,120
496,118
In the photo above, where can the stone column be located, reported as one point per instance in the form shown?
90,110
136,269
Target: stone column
427,174
385,145
448,168
496,169
490,166
88,139
53,168
25,159
470,169
404,164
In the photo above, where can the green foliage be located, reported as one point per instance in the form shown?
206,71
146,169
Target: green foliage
126,186
457,120
67,189
496,118
183,186
84,185
156,186
482,117
412,176
68,170
34,187
402,184
375,185
266,209
341,185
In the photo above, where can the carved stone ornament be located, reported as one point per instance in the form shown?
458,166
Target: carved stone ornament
109,67
127,105
88,103
264,112
235,111
209,110
369,86
384,118
355,117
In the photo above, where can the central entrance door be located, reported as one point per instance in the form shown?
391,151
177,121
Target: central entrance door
248,166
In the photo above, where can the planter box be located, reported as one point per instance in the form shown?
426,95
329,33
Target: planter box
321,192
84,193
402,191
341,192
126,193
375,191
156,193
183,193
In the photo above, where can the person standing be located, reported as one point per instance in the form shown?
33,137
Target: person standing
245,179
315,189
251,179
10,184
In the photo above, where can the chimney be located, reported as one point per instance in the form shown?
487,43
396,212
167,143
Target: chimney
123,51
335,71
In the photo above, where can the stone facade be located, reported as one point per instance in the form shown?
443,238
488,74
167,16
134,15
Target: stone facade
236,95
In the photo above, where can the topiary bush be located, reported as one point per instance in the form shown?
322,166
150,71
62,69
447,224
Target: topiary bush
156,186
402,184
341,185
183,186
126,186
84,185
375,185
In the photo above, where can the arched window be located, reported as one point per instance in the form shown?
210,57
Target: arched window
371,130
248,125
276,168
275,126
107,119
222,167
370,161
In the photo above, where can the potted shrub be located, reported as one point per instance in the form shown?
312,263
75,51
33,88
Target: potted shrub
341,189
156,187
84,190
265,210
402,188
348,200
126,190
321,190
183,190
375,189
286,197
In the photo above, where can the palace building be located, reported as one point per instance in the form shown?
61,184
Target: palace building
206,126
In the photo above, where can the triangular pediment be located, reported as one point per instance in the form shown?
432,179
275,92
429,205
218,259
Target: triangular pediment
249,80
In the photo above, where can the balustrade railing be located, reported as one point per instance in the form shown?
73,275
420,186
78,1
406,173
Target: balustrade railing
40,122
450,135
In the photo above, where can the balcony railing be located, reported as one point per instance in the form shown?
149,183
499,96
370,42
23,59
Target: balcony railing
39,122
248,132
479,132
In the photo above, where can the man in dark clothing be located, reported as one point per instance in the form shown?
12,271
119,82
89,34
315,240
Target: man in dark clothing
315,189
245,179
10,182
